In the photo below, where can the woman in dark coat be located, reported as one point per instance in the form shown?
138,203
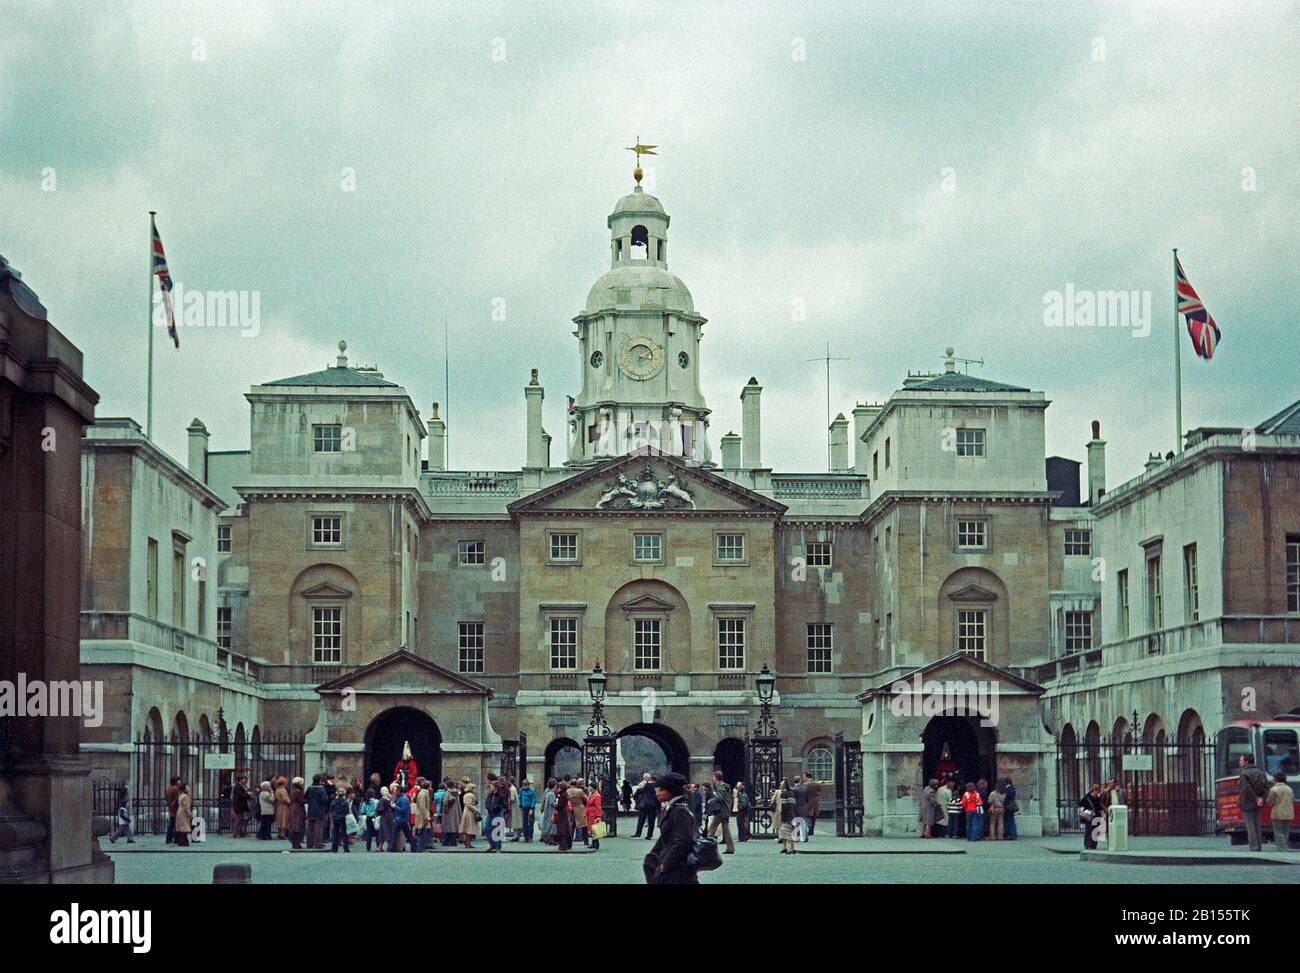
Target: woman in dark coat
1091,809
563,819
297,812
385,818
450,813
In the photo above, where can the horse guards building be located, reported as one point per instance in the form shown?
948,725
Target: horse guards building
944,597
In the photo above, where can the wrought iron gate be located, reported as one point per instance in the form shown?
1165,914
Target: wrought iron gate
598,769
1168,787
849,803
510,759
523,759
195,762
764,768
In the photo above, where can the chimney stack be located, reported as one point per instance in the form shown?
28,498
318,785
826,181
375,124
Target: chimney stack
198,458
840,445
731,451
750,425
437,441
536,452
1153,461
1096,465
863,416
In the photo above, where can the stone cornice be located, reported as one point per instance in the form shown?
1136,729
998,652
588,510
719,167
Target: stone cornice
410,497
893,498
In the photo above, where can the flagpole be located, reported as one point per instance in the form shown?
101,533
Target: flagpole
1178,368
148,413
446,390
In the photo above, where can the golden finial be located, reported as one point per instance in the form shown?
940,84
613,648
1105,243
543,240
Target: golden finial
640,150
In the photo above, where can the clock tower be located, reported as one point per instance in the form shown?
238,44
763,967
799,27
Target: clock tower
639,340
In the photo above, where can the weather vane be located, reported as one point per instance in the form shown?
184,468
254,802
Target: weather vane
640,150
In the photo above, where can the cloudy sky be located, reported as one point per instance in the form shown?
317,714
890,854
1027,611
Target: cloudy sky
914,175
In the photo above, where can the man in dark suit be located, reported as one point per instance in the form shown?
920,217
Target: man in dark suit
647,806
666,864
812,801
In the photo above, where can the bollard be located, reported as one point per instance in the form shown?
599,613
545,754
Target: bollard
1117,827
232,874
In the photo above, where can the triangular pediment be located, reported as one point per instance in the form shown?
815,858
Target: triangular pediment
403,672
326,590
647,482
958,667
646,603
973,592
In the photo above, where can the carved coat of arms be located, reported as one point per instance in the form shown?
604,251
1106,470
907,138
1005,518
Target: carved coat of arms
646,492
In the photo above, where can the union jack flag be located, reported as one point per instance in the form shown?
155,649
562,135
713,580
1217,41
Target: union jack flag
164,281
572,404
1204,332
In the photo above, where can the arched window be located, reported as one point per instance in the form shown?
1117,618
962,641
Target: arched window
640,242
820,762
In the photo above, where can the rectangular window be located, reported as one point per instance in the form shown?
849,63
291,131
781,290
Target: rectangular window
1078,541
1078,632
875,465
1293,572
564,643
972,535
647,547
201,619
1121,601
564,547
1155,598
151,580
469,552
887,453
1191,585
327,529
327,438
326,635
889,635
819,647
972,631
178,588
731,547
818,554
647,644
469,644
223,539
223,627
731,643
970,442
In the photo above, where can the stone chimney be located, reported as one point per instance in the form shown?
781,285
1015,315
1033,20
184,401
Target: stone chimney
863,416
751,425
1153,461
198,458
437,440
1096,465
731,451
536,451
840,445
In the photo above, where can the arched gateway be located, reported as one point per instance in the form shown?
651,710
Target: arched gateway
390,730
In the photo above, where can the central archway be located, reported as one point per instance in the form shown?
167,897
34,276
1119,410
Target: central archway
392,728
970,749
637,760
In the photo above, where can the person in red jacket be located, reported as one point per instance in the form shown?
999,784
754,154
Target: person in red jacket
594,813
972,806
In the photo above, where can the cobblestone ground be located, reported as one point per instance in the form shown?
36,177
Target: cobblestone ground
826,860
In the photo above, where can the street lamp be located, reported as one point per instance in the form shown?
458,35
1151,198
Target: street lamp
596,686
766,683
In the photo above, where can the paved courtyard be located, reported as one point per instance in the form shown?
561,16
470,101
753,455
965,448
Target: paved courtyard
826,860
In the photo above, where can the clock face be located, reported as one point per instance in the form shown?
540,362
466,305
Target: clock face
640,357
683,359
597,359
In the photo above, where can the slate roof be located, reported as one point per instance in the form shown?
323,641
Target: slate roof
336,377
957,382
1285,423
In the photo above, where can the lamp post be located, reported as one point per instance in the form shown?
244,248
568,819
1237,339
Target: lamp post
598,750
764,755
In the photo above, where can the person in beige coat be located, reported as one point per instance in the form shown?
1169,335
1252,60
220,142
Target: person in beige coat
1281,804
184,816
423,816
468,816
281,807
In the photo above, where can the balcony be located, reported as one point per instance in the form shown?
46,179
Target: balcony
131,627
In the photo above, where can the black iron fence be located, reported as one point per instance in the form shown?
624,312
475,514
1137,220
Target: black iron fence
1168,787
209,772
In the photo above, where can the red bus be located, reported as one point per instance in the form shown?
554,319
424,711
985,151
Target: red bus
1276,748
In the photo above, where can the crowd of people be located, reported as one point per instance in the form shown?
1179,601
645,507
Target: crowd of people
974,810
